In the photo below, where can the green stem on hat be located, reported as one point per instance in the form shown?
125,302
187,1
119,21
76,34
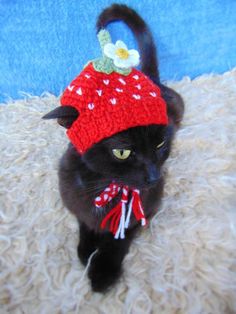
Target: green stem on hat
105,64
104,38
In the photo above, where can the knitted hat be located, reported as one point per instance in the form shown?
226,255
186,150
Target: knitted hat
111,96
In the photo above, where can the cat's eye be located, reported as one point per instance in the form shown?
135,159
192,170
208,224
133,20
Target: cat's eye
121,153
160,145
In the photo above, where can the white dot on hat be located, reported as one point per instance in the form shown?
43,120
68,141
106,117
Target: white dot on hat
91,106
153,94
106,82
113,101
70,88
119,90
122,81
79,91
99,91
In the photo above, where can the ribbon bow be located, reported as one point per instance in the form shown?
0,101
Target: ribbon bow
120,215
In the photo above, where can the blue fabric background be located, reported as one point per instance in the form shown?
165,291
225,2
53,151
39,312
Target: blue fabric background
44,43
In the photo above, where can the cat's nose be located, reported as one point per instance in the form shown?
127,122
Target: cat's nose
153,174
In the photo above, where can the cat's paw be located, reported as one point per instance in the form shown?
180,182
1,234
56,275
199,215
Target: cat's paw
103,272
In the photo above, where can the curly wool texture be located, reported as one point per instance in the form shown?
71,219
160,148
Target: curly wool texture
183,263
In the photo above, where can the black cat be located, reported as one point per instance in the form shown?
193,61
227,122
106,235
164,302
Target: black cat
83,177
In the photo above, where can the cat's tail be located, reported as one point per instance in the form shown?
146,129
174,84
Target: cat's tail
149,64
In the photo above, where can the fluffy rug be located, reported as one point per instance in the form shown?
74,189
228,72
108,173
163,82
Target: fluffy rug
185,262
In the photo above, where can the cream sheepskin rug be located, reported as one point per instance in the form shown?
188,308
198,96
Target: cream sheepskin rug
185,262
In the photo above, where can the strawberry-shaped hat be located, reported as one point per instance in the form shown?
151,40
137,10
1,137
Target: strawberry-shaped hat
111,96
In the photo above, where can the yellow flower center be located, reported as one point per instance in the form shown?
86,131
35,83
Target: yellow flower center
122,53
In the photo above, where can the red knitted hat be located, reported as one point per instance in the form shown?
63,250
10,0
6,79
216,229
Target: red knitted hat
111,97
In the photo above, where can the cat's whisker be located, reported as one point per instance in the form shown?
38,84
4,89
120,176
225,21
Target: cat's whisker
96,186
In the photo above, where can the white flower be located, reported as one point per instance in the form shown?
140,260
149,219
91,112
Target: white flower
121,56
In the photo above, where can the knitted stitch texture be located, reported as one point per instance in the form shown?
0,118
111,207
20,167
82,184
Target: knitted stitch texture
111,103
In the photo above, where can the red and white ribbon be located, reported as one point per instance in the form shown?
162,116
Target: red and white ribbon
120,215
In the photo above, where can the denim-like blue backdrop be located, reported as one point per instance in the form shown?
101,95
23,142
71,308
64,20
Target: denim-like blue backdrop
44,43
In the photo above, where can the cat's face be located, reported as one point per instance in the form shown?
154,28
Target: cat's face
133,157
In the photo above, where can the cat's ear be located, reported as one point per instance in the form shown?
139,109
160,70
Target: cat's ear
175,104
65,115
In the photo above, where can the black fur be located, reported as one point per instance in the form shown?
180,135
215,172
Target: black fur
82,178
105,268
